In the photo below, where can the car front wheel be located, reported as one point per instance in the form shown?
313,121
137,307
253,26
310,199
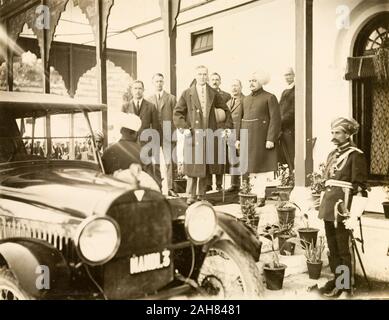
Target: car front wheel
230,273
9,287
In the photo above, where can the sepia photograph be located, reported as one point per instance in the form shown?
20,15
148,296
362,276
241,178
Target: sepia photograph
194,150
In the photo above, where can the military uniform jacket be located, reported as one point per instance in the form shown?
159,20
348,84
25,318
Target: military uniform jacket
348,164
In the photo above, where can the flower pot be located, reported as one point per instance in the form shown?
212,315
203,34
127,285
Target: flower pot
308,234
286,215
386,209
284,192
179,185
314,269
316,197
244,197
286,248
274,277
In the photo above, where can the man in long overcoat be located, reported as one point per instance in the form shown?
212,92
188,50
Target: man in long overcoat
287,121
194,114
261,118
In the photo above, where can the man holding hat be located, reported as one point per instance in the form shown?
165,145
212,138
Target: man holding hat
126,151
346,175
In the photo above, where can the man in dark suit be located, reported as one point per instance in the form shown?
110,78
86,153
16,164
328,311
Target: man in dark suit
235,106
215,81
148,114
165,103
194,114
286,150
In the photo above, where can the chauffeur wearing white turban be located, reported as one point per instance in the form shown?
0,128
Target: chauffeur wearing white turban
345,173
261,117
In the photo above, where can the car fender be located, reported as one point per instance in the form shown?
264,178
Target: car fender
239,234
27,258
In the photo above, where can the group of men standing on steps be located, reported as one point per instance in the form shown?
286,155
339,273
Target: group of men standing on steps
198,109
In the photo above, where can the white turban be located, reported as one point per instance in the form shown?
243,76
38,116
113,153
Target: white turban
262,76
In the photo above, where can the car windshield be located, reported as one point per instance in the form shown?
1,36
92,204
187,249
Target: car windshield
56,137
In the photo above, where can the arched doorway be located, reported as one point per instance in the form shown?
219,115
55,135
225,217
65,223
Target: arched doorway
371,97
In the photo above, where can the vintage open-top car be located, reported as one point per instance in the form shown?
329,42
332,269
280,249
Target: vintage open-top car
68,231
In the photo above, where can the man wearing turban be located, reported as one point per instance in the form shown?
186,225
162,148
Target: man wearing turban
346,175
262,120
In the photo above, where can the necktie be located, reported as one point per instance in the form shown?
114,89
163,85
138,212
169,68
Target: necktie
232,103
137,108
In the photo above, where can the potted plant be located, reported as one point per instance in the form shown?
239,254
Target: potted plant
245,193
317,182
250,216
286,247
286,182
179,183
307,234
385,204
286,211
313,254
274,271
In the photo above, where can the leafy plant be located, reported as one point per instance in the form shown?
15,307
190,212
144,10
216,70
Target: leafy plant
271,232
285,176
381,64
180,171
313,253
246,187
249,213
317,181
306,220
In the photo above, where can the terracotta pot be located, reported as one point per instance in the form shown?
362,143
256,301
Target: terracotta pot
286,215
314,269
385,204
274,277
179,185
309,235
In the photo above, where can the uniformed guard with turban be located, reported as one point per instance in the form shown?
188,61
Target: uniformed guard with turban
345,174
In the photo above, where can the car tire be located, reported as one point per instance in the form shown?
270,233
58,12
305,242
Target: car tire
9,287
251,282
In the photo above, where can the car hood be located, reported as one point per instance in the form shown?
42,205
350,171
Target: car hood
79,191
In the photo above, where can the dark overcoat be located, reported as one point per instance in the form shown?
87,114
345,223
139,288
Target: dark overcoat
261,118
188,115
236,111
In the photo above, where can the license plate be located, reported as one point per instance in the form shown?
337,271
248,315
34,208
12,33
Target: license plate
150,261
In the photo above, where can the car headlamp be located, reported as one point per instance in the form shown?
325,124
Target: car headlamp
200,222
97,240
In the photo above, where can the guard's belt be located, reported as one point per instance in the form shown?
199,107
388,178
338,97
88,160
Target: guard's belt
338,183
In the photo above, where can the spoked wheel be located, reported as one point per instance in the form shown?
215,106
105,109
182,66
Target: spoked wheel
230,273
9,288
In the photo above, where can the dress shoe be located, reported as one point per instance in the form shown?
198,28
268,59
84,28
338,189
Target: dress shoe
172,193
328,287
190,201
219,187
208,188
261,202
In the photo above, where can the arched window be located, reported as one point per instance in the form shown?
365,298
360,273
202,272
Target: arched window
373,36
